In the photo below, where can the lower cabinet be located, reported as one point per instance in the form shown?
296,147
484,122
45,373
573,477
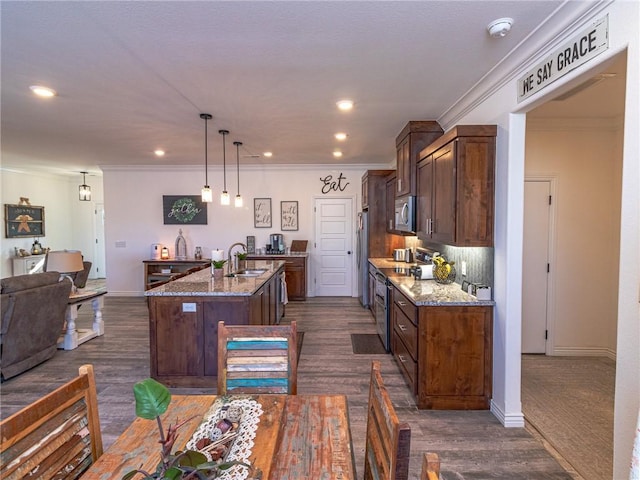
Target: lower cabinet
295,270
444,353
183,332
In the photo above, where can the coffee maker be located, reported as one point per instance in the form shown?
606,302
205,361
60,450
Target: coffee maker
277,243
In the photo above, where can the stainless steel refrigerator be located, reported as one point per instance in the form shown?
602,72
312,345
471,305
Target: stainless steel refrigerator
362,258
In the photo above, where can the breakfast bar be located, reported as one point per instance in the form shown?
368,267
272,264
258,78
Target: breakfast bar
184,315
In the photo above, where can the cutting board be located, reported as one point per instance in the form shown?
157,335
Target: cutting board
299,245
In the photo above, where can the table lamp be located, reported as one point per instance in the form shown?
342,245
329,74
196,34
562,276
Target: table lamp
66,262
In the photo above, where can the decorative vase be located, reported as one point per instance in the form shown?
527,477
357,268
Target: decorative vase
218,273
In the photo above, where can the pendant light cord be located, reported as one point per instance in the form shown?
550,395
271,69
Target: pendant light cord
237,144
206,117
224,157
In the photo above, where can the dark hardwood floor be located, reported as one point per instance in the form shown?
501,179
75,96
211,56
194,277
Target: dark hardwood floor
471,444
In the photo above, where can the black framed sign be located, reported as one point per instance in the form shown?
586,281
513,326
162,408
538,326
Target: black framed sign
23,221
289,215
262,212
184,209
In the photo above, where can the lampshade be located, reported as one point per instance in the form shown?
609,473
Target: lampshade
224,196
84,190
205,193
238,202
63,261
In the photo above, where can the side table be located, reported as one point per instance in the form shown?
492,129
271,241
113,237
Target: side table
73,336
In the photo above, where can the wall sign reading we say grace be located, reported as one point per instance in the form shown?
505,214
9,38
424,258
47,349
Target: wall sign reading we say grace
330,184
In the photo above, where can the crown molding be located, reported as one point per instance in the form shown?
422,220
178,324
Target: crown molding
558,27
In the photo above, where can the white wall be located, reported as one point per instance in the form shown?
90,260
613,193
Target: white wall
133,202
584,159
494,101
68,221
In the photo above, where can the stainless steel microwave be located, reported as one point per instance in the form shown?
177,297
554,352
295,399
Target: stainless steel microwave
405,214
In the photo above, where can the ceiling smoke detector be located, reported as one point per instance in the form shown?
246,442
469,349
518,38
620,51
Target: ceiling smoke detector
500,27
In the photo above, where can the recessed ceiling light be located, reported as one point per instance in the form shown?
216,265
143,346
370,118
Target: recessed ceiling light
345,105
340,136
500,27
43,91
159,153
337,154
268,154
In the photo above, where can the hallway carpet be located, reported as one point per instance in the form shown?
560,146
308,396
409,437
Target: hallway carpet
569,400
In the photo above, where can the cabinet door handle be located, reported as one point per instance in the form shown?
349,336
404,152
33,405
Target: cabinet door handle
401,358
402,327
401,303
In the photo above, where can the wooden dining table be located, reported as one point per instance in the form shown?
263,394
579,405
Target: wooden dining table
297,437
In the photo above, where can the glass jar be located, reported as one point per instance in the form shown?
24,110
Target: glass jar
198,254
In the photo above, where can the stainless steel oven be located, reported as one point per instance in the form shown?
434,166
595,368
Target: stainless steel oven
382,308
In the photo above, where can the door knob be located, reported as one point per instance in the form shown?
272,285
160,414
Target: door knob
348,252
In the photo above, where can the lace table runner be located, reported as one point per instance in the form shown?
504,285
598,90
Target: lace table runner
242,446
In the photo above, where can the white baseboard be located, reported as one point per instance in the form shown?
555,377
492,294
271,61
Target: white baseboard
584,352
512,420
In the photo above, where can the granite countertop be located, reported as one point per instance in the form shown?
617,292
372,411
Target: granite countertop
283,255
202,283
428,292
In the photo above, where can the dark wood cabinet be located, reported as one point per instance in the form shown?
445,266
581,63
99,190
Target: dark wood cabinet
415,136
455,188
380,242
157,272
444,353
295,269
390,211
183,331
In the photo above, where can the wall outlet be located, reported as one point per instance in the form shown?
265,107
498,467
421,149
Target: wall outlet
463,268
121,244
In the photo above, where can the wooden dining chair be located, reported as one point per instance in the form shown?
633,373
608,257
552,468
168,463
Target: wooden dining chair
430,467
388,441
257,359
57,436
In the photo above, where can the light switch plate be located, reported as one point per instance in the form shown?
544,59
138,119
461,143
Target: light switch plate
463,268
188,307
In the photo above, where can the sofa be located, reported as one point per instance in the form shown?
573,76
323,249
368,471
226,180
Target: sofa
32,318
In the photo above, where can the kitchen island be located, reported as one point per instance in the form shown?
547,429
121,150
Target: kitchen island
442,340
184,316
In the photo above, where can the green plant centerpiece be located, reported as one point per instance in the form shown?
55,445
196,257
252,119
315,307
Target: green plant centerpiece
152,400
218,263
241,256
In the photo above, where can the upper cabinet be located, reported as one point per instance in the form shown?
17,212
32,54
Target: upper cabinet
415,136
455,187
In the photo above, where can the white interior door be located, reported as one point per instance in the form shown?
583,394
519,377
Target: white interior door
333,253
100,267
535,261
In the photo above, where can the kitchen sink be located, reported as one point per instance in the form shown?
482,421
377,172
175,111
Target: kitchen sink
254,272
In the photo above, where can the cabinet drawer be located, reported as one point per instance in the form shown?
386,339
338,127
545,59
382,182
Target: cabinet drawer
406,306
294,262
407,332
408,366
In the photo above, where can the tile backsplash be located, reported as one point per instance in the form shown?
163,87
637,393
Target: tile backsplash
479,261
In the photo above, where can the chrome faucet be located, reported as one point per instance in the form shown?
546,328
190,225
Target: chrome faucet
235,266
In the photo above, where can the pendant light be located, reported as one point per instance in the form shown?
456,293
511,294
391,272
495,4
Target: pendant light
224,196
238,202
206,193
84,190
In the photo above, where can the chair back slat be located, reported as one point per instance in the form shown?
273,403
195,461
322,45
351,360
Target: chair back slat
257,359
430,467
388,442
57,436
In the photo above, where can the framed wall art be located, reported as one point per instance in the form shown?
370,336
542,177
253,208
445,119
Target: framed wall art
262,212
23,221
184,210
289,215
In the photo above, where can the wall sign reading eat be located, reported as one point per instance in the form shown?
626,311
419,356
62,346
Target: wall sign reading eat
184,209
331,184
